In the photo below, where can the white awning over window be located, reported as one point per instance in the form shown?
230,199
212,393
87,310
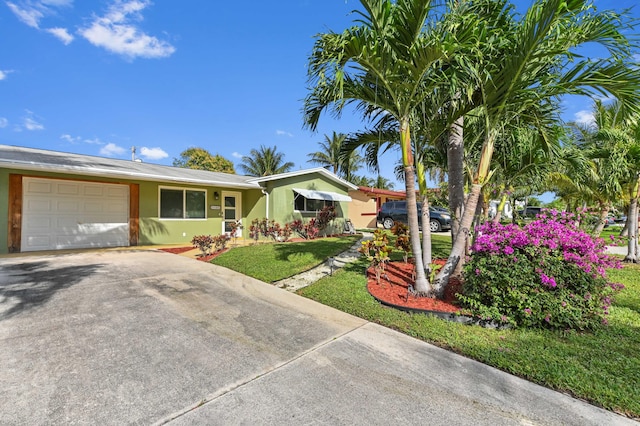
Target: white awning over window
322,195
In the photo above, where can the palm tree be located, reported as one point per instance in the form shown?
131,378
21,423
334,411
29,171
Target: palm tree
329,157
385,66
264,162
535,65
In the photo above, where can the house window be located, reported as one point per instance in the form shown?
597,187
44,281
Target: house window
303,204
183,204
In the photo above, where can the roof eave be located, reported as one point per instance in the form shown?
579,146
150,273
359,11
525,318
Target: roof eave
16,165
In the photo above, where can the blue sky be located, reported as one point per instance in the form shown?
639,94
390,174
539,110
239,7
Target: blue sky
98,77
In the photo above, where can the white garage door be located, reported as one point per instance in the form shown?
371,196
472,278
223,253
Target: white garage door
61,214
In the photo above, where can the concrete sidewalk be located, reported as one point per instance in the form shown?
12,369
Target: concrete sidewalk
120,337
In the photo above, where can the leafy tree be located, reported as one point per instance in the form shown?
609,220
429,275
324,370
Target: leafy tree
264,162
201,159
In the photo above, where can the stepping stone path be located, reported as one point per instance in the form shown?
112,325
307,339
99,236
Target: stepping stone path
312,275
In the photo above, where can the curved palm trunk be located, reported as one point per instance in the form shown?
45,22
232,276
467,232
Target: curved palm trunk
455,171
499,208
421,285
460,242
602,220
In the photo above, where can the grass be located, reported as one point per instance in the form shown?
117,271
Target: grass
601,367
273,262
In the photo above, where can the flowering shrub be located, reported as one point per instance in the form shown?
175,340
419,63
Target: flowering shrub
203,242
547,274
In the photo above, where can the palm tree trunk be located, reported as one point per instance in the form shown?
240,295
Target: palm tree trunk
425,218
499,208
421,285
455,170
602,220
632,226
460,242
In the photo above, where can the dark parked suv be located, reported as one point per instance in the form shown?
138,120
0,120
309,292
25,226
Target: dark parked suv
396,211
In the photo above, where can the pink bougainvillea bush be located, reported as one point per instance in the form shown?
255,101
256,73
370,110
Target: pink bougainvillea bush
548,274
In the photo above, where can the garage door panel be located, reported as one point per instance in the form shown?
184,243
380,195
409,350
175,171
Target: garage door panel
94,191
38,187
67,189
74,215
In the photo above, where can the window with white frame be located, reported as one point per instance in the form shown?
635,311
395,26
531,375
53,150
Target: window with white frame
182,203
303,204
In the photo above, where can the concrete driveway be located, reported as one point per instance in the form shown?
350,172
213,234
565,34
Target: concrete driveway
145,337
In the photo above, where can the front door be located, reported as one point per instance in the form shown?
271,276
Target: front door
231,212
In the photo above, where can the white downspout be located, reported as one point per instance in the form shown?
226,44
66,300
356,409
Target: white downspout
264,192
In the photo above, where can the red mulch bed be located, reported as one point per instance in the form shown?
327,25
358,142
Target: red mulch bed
393,289
177,250
207,258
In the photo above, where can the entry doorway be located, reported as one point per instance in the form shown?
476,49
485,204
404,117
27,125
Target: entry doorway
231,212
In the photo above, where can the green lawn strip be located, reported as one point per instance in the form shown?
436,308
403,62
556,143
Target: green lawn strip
273,262
601,367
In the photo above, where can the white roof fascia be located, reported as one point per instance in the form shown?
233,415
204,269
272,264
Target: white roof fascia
322,195
23,165
320,170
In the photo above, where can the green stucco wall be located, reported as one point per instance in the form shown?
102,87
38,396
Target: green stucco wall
281,199
152,229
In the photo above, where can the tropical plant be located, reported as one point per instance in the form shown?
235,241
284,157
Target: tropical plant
203,243
265,161
377,251
532,66
385,65
201,159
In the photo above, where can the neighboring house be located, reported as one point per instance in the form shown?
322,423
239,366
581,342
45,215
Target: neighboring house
366,203
54,200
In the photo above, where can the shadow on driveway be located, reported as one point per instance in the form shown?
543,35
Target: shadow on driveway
26,286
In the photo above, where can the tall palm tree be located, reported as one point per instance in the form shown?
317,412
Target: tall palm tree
264,162
329,157
534,66
384,65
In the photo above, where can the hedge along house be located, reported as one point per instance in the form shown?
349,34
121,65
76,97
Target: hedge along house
54,200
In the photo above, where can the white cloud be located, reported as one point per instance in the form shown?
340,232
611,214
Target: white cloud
70,138
4,74
112,150
61,33
95,141
283,133
153,153
115,32
584,117
30,123
237,155
29,15
3,122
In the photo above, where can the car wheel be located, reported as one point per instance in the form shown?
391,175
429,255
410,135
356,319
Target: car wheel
387,223
435,225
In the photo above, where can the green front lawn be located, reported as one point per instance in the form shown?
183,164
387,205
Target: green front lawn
273,262
601,367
